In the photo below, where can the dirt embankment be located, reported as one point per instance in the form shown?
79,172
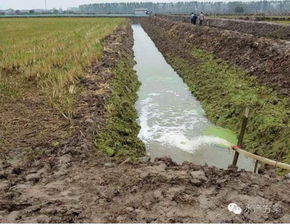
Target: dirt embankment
258,18
266,59
260,29
68,182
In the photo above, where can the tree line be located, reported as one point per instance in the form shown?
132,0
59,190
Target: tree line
251,7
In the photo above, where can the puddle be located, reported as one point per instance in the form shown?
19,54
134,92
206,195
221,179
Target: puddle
172,121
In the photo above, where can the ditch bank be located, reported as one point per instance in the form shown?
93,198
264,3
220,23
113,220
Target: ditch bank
264,58
260,29
214,65
118,138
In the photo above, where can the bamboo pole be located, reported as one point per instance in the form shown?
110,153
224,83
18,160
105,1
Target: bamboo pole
261,159
241,136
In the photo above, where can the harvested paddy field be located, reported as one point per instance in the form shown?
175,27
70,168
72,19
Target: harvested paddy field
69,146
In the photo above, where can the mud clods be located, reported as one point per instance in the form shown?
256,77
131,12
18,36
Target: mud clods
160,191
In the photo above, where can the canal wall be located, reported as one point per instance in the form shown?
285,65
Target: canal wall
228,71
261,29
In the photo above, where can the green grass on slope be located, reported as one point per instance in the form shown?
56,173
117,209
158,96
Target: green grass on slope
119,139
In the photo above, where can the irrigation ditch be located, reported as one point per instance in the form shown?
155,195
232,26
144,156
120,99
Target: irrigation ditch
228,71
73,182
172,121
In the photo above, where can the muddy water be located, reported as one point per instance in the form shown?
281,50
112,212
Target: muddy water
172,121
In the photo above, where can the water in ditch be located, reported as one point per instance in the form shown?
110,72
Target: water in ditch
172,121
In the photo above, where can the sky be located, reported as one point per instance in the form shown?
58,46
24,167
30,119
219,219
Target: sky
40,4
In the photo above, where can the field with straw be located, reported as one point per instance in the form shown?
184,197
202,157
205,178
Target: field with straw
46,57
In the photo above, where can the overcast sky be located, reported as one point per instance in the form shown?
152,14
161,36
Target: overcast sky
40,4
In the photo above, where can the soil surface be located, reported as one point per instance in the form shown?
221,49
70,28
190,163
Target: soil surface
259,29
60,177
92,190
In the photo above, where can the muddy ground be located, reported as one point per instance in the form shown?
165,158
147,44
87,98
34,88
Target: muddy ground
92,190
61,178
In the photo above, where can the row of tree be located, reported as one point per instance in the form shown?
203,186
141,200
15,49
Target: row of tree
251,7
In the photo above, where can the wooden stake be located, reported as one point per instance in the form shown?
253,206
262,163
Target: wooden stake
256,166
241,136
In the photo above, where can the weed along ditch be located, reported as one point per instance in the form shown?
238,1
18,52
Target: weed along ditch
172,120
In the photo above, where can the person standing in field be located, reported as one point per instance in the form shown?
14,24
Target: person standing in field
193,18
201,18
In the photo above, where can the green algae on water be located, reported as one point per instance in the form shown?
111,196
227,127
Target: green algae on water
223,133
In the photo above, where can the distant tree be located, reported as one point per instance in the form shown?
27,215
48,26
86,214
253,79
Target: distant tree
239,9
17,11
31,11
182,7
69,12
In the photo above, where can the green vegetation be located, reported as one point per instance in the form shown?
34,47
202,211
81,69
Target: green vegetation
225,91
119,139
47,56
287,22
223,133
